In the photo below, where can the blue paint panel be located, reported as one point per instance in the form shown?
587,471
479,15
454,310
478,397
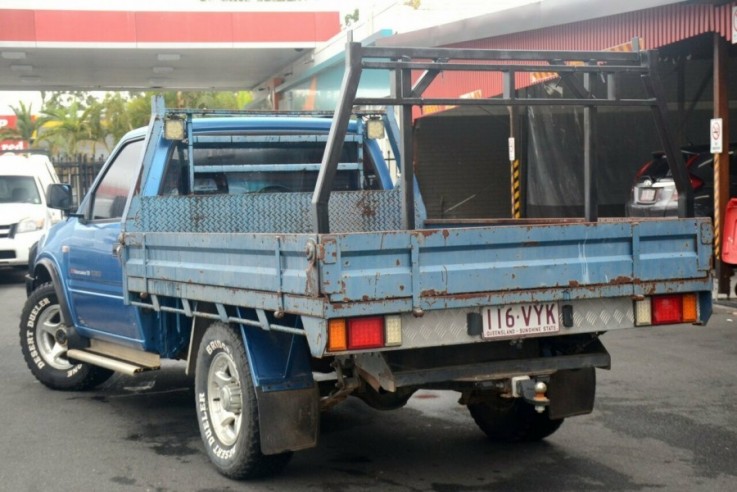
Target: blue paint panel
279,361
509,258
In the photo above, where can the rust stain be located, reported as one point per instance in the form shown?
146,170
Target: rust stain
365,207
446,233
433,292
573,283
621,280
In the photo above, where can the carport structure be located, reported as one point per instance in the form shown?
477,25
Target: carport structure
698,56
148,45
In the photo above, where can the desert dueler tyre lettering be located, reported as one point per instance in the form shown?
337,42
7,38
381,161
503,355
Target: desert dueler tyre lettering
43,343
227,409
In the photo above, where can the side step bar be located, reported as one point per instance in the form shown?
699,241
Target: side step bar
116,357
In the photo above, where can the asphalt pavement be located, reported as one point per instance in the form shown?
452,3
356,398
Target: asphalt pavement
665,419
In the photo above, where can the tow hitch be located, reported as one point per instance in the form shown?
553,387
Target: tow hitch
533,391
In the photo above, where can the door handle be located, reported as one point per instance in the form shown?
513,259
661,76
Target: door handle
117,249
118,246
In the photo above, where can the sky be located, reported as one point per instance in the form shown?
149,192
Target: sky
11,98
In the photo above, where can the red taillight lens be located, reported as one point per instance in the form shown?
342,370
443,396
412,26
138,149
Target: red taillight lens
365,333
667,309
643,169
696,183
690,161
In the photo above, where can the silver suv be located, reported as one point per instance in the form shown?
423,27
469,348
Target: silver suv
654,192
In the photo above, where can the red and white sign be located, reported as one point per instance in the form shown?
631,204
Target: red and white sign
8,122
715,135
6,145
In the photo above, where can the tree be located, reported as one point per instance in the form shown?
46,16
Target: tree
72,118
26,126
116,116
67,125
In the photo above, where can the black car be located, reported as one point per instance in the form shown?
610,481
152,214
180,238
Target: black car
654,192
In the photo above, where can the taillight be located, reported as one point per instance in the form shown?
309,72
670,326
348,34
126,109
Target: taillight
364,333
696,183
337,335
642,169
666,309
690,308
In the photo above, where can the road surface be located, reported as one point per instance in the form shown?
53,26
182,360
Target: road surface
665,419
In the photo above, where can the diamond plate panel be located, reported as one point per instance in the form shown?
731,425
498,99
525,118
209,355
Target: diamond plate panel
603,314
448,327
355,211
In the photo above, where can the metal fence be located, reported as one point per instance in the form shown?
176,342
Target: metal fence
79,171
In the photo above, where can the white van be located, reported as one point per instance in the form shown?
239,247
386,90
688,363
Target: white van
24,216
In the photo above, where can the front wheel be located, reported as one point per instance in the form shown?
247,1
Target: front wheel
512,419
227,409
43,343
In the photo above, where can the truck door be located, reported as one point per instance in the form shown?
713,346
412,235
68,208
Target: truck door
94,270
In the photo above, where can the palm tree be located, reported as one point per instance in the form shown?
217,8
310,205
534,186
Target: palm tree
67,126
26,126
116,116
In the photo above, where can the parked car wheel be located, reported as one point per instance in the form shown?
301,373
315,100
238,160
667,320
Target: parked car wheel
43,343
227,409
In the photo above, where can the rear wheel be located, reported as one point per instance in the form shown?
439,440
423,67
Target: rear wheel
227,408
43,343
512,419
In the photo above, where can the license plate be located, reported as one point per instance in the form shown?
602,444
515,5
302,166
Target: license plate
520,320
647,195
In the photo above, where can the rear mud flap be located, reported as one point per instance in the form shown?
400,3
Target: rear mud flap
571,392
289,420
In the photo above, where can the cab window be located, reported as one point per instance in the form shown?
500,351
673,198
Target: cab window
108,201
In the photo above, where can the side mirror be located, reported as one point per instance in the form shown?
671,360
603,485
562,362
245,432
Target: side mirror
59,196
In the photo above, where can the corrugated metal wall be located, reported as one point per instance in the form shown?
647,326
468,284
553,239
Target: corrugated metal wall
656,27
458,155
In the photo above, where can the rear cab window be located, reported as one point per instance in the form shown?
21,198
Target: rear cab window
232,164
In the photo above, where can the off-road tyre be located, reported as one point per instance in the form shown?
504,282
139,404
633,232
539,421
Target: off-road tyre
44,355
227,409
512,420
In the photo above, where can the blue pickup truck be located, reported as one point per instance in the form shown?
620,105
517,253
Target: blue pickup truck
275,255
